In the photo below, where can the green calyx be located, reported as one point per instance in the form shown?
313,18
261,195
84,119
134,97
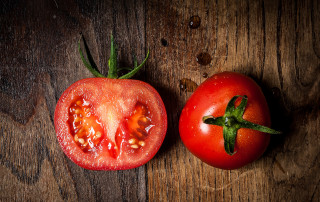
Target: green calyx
232,121
112,63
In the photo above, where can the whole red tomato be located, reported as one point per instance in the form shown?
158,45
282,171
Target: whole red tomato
109,123
214,124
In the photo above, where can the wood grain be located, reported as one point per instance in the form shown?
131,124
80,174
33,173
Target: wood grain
277,43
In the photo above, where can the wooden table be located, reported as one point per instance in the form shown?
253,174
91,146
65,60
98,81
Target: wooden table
277,43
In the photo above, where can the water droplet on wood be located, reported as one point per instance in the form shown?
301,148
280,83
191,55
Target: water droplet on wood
203,58
188,85
164,42
194,22
205,75
276,92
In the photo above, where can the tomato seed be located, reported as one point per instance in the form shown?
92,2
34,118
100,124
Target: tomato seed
81,141
134,146
80,134
142,143
98,134
79,102
132,141
81,129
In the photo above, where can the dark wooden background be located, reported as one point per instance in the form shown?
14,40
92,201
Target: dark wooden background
277,43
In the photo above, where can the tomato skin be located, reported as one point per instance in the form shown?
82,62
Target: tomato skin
112,100
211,98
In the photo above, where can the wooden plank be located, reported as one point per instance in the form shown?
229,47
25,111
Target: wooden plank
277,43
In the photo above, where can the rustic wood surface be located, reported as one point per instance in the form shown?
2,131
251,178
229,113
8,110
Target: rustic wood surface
277,43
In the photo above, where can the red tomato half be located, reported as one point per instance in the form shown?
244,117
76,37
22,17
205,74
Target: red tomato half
110,124
211,98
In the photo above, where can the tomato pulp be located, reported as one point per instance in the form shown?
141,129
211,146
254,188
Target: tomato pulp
211,98
110,124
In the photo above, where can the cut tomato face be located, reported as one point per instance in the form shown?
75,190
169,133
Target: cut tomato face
108,124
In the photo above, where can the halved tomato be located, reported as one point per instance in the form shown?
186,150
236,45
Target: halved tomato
110,124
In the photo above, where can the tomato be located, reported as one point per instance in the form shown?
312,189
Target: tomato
110,124
219,97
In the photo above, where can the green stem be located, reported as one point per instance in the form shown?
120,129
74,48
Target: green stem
94,71
213,121
124,68
136,69
232,121
112,63
253,126
229,136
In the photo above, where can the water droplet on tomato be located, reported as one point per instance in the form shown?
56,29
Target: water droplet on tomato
194,22
203,58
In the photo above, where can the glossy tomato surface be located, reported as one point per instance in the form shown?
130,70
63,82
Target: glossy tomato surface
110,124
211,98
